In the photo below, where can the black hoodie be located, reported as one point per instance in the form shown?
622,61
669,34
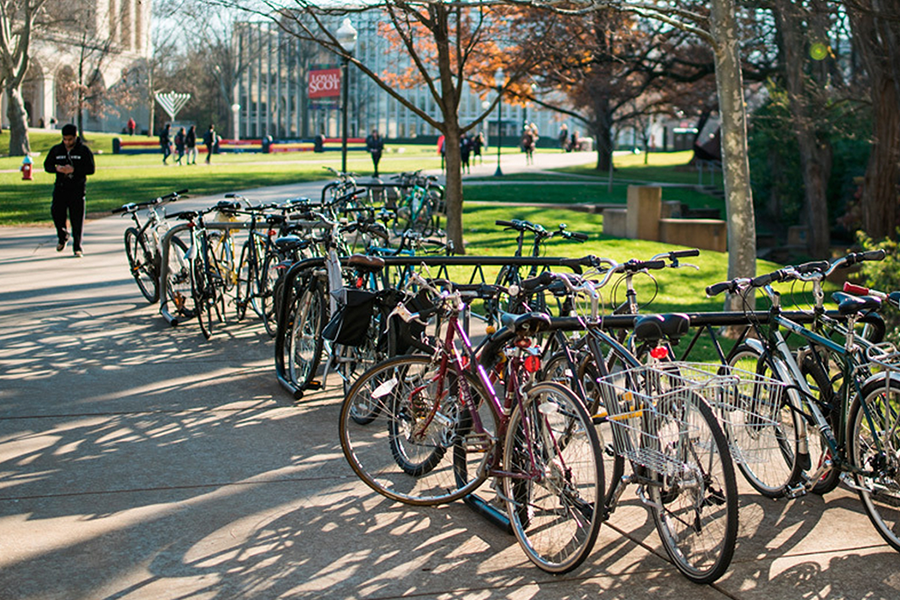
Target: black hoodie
80,157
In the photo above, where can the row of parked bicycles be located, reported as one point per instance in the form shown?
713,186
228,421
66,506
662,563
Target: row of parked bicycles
526,380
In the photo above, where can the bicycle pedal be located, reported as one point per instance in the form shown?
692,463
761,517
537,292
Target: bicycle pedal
314,385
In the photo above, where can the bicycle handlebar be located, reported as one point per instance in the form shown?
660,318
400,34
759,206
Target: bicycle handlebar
133,206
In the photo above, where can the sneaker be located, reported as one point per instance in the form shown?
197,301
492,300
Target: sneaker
61,246
79,254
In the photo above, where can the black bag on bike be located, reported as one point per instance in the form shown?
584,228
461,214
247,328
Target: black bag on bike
350,322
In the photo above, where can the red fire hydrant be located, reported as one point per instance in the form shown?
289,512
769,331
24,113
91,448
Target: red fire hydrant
26,168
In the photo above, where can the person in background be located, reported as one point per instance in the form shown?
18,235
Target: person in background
71,161
477,145
131,126
180,139
211,140
375,146
190,142
465,151
564,137
165,143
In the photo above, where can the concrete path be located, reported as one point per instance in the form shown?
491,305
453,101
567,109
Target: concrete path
138,461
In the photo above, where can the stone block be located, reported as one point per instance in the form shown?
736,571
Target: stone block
644,208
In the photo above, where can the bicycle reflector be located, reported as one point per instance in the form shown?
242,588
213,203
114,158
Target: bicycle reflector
532,363
659,353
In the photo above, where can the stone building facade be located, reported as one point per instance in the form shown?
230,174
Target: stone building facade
106,42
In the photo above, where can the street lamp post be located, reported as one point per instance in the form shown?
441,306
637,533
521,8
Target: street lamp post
236,120
498,81
346,37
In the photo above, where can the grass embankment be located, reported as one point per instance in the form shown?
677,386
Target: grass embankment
585,185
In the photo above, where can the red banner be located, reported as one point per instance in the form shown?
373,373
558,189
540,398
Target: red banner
324,83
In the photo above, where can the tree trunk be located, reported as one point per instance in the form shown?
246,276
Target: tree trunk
18,121
735,161
603,132
880,189
453,194
815,153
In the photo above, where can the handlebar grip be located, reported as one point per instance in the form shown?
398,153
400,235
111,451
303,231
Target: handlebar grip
180,192
717,288
856,290
121,209
872,255
814,266
582,237
501,223
685,253
639,265
531,284
766,279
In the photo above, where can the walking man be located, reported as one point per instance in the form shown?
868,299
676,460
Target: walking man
375,145
165,143
211,139
72,162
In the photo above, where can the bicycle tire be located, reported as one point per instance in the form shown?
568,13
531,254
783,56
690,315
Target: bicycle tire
556,369
308,316
819,379
370,448
354,360
178,281
199,292
246,273
266,284
767,445
695,506
557,515
878,485
143,264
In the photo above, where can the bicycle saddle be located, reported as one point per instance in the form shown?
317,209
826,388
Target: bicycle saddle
531,322
849,305
655,327
366,263
289,243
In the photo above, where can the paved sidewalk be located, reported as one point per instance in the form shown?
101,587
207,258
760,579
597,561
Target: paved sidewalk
139,461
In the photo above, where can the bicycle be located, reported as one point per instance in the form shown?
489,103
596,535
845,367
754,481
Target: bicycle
858,427
207,284
142,243
446,423
657,416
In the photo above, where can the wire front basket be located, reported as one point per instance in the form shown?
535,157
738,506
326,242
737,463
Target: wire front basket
747,405
648,410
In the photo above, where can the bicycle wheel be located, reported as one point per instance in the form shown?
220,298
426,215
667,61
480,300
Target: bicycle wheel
200,292
402,451
554,490
873,444
221,245
764,432
308,316
142,263
694,502
178,281
246,273
557,369
819,381
265,295
354,360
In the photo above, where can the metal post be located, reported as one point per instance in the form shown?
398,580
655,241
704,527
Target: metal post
345,88
499,172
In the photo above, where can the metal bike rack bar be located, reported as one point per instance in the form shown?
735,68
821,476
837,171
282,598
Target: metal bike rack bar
574,264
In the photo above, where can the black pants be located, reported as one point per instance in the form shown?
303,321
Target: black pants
376,156
71,206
